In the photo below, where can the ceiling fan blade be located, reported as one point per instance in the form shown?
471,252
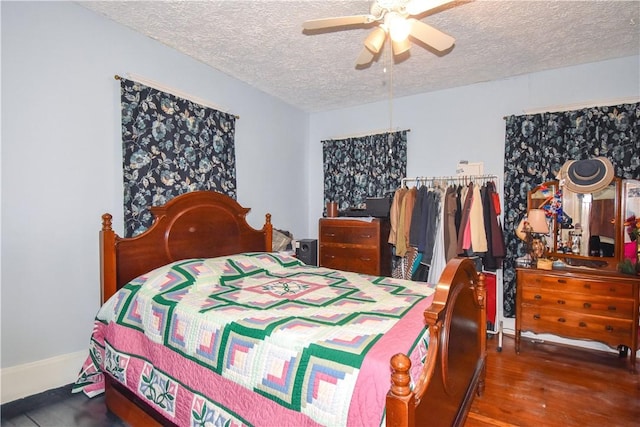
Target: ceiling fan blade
416,7
365,57
340,21
430,36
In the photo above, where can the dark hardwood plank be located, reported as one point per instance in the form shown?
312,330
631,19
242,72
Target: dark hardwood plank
555,385
59,407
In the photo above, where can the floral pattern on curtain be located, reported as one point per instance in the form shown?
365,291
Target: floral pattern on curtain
171,146
367,166
536,147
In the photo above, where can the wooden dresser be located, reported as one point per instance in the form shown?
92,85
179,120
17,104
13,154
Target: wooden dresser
590,305
355,245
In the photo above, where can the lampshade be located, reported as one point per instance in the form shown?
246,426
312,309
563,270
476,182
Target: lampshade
401,46
375,39
537,221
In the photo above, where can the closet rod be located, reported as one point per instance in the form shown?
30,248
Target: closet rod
425,179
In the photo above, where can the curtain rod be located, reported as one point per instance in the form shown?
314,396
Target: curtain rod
571,107
159,86
375,132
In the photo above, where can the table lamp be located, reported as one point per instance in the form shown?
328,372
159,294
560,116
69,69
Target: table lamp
538,228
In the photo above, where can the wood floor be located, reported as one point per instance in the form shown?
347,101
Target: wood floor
545,385
552,385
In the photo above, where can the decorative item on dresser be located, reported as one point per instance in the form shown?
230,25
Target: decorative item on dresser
355,244
584,296
600,306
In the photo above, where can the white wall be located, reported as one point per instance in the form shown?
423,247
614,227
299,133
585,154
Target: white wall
61,167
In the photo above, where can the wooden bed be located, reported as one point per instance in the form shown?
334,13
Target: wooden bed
205,224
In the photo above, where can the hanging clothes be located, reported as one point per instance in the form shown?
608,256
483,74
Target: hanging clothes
438,260
431,224
492,259
394,214
476,223
464,231
450,230
404,221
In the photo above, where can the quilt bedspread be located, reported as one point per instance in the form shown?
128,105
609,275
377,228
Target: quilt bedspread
258,339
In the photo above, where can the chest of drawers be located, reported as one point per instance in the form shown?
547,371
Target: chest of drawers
354,245
598,306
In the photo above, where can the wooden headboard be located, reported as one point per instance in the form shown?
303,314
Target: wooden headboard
200,224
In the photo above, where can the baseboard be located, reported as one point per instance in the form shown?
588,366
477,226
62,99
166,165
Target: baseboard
32,378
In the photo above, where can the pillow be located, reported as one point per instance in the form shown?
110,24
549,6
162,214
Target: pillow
280,240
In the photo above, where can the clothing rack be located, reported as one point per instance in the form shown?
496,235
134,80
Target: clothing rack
452,179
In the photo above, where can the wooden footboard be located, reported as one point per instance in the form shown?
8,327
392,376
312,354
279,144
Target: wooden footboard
455,365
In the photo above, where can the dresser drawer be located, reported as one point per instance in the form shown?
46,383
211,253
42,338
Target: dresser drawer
613,331
349,259
365,235
579,303
609,288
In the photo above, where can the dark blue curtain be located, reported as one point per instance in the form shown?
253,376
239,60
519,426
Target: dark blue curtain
367,166
537,146
171,146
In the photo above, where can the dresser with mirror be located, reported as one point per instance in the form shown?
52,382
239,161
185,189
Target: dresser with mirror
583,295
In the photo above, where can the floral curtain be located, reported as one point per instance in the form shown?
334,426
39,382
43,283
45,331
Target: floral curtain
368,166
171,146
536,146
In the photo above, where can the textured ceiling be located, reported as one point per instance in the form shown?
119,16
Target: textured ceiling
261,43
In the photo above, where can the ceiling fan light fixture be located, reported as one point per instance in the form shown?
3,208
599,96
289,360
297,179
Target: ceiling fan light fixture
399,27
375,40
400,47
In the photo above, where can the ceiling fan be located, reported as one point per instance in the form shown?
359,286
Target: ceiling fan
393,18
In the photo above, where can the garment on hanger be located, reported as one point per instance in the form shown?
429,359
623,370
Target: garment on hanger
449,222
492,259
404,221
394,213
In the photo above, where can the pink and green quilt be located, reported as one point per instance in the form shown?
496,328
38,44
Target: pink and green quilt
258,339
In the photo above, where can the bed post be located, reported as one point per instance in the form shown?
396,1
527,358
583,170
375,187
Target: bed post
108,277
268,230
400,401
481,295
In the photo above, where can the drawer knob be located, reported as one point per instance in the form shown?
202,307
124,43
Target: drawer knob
537,297
561,302
330,234
562,320
609,328
366,236
587,305
562,281
536,316
365,259
587,286
582,324
612,289
611,308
